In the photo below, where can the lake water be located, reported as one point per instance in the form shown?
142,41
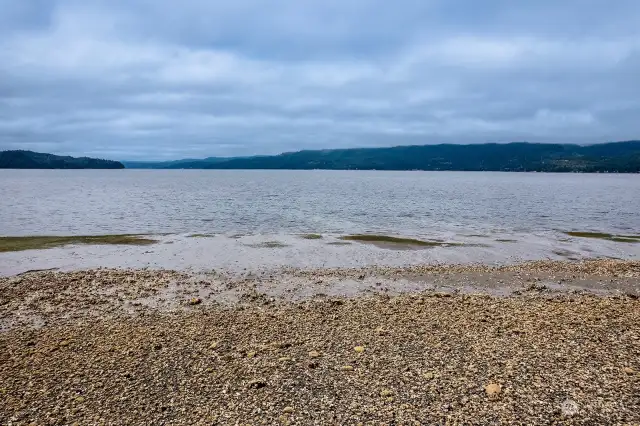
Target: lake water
253,219
424,204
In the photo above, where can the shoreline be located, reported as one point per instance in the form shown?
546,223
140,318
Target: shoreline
34,299
533,343
270,252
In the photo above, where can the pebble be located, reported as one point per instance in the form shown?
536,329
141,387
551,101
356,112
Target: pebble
257,384
386,392
493,389
569,408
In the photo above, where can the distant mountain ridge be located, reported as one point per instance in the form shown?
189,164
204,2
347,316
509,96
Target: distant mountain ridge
20,159
613,157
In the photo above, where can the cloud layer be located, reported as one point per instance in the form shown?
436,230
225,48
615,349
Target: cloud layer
156,79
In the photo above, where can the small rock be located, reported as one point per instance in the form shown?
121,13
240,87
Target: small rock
79,399
493,389
257,384
195,301
386,392
288,410
359,349
569,408
284,359
314,354
629,370
346,368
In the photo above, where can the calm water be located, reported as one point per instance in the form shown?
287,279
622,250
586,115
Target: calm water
408,203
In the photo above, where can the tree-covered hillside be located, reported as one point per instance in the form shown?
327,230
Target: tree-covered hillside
36,160
620,157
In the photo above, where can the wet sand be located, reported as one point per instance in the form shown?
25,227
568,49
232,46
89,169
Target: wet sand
534,343
236,253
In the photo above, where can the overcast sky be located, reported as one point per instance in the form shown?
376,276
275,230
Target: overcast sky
160,79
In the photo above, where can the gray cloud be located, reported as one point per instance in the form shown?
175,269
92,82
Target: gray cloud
156,79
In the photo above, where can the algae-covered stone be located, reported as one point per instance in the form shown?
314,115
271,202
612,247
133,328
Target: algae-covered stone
386,392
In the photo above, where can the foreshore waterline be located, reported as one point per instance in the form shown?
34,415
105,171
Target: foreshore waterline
36,298
535,342
237,252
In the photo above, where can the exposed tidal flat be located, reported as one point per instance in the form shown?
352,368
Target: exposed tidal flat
320,329
197,252
546,342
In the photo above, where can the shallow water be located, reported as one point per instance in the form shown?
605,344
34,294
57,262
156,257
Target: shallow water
250,220
420,204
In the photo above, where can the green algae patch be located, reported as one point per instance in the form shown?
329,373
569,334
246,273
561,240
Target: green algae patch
45,242
634,237
201,235
268,244
588,234
384,240
339,243
620,239
604,236
504,240
311,236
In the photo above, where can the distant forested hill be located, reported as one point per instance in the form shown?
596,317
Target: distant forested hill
175,164
36,160
615,157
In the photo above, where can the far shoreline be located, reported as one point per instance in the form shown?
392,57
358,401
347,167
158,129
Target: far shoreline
606,157
336,170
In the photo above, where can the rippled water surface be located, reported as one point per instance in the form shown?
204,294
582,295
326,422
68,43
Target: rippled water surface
47,202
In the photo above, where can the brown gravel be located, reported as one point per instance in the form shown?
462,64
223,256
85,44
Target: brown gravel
423,358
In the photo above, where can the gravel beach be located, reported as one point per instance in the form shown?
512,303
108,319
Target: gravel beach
534,343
